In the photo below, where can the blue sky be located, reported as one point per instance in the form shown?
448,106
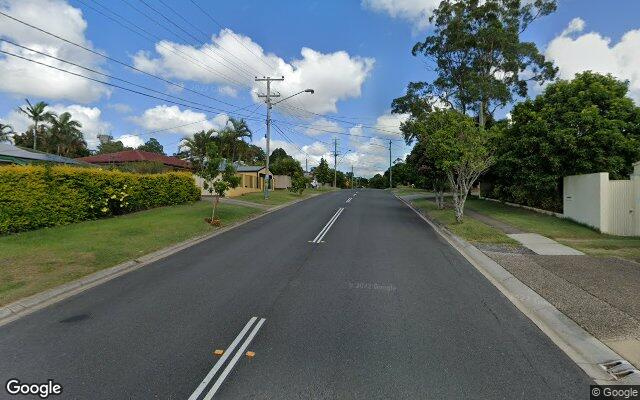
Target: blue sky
357,58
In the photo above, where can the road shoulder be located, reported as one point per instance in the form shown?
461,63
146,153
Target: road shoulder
583,348
30,304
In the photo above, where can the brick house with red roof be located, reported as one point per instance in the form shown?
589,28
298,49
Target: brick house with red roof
133,156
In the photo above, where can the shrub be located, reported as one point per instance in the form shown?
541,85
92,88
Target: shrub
33,197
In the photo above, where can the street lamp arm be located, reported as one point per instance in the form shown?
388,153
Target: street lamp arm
295,94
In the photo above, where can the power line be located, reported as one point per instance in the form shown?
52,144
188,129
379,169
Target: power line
233,35
111,84
248,74
206,36
115,60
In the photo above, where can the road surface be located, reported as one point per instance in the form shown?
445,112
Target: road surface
375,306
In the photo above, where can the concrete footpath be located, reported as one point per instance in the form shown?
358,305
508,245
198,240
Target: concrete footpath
600,294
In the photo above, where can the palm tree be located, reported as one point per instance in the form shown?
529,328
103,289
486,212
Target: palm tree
66,135
196,147
5,131
238,130
38,113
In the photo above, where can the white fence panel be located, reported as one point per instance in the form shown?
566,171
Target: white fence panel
621,208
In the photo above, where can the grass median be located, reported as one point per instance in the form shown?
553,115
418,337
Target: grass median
469,229
31,262
564,231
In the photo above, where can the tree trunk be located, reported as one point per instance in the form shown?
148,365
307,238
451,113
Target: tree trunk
215,205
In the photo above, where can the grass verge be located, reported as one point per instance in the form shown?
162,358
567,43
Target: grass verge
404,190
276,197
33,261
469,229
564,231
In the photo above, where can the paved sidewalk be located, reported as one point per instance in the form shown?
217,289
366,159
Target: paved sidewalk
543,245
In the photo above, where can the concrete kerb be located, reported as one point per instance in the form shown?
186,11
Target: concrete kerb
585,350
27,305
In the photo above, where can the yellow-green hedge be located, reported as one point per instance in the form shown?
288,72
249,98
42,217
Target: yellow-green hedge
37,196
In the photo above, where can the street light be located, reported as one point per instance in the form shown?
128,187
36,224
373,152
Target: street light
268,97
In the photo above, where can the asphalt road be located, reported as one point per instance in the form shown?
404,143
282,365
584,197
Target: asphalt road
382,308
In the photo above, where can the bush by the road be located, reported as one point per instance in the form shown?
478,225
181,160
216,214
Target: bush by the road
33,197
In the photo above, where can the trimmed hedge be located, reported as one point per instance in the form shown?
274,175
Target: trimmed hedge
33,197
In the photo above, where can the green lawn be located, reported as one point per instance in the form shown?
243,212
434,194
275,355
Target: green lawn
276,197
564,231
469,229
34,261
403,190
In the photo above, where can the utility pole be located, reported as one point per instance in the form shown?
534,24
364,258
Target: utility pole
390,172
335,161
268,97
306,164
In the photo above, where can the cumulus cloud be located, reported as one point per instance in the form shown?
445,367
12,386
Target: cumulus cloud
28,79
334,76
595,52
388,124
163,116
89,117
415,11
322,126
130,140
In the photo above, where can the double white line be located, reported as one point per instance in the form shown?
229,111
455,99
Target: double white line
349,199
205,382
318,238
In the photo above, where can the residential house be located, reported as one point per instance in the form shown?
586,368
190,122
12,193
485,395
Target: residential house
10,154
252,179
134,156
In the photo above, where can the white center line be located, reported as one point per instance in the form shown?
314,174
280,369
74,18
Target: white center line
315,240
349,199
233,361
222,359
320,236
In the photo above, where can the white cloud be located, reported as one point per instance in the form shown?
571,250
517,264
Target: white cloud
28,79
130,140
388,125
120,107
334,76
415,11
592,51
576,25
163,116
89,117
228,91
322,126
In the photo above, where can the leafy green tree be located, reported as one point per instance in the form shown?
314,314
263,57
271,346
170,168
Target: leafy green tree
65,137
230,137
322,172
430,175
461,149
585,125
5,132
252,154
286,166
213,180
111,146
378,182
152,145
38,114
479,58
299,183
196,148
277,154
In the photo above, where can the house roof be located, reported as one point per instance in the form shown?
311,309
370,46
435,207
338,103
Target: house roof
240,167
136,156
11,153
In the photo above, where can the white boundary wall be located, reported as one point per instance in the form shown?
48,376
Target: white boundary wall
612,207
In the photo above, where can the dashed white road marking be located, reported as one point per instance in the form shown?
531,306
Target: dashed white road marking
349,199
